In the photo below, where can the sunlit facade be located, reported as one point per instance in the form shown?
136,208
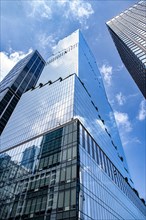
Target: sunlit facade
22,77
79,170
129,35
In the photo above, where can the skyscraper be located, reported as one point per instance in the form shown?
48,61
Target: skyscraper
22,77
81,170
128,31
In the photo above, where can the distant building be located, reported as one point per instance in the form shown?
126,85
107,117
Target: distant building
80,172
128,31
29,157
22,77
13,171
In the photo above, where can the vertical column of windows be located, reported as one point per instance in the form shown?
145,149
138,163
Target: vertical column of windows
103,161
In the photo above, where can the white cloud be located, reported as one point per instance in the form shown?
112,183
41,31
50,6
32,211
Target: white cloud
128,141
9,60
107,72
121,99
46,41
40,8
123,122
77,10
119,68
142,111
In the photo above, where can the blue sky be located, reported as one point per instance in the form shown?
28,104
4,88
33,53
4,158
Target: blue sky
28,25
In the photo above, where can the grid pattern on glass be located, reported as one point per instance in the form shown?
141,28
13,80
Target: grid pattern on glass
131,34
82,109
39,111
92,155
132,62
50,186
88,114
98,112
128,33
35,191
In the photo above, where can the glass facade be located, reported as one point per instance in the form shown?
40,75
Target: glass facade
45,185
104,192
128,33
22,77
61,155
70,177
47,107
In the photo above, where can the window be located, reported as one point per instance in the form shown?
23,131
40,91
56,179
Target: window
27,207
88,144
62,179
67,200
74,151
73,198
60,200
47,182
38,205
74,172
32,207
44,201
97,153
64,155
68,174
42,182
69,154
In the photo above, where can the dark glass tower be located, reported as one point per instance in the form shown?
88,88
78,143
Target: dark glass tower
79,170
22,77
128,31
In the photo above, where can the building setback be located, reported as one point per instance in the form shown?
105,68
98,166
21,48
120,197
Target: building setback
128,31
79,170
22,77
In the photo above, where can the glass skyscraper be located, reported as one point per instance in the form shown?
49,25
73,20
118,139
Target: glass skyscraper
79,170
128,31
22,77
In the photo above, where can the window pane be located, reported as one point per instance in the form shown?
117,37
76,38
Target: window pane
42,182
73,197
75,136
69,138
60,200
38,204
69,154
64,155
32,205
68,173
44,201
67,199
47,181
74,153
62,179
73,172
28,204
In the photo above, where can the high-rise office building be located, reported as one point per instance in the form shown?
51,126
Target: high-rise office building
128,31
22,77
80,170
